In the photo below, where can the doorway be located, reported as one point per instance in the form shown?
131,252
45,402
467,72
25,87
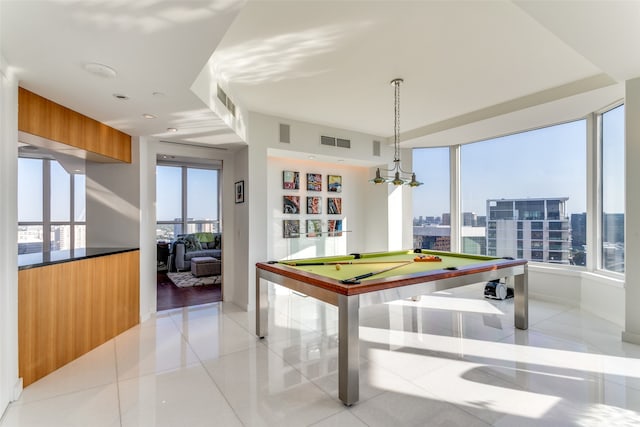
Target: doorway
188,214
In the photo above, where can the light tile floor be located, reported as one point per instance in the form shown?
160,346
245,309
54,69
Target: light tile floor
452,358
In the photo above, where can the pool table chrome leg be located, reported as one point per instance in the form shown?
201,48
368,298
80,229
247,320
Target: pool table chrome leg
348,349
521,300
262,306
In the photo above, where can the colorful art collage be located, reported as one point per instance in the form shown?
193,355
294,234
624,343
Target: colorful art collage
291,205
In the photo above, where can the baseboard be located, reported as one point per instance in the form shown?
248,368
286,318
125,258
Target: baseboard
17,389
631,337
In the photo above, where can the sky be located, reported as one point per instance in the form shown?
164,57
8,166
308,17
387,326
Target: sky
202,193
544,163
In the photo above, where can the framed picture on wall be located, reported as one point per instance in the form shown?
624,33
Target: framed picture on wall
314,227
334,183
314,182
291,180
291,204
335,227
290,228
314,205
240,192
334,205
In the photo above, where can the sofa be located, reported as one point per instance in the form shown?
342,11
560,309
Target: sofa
188,246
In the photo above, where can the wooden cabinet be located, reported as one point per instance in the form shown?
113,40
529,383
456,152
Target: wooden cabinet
44,118
68,309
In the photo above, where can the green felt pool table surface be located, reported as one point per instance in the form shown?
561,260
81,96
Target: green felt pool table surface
350,267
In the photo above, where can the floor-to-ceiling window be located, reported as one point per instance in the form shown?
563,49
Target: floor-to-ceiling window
51,206
613,186
187,200
520,194
527,188
431,217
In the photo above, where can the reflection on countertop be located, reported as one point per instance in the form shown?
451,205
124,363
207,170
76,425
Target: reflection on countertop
41,259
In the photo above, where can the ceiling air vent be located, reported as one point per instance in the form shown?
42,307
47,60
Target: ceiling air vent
328,140
285,133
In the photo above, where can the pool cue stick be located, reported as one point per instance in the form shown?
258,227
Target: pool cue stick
303,264
356,280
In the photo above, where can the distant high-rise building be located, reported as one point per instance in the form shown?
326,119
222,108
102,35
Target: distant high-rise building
533,229
482,221
446,219
578,230
438,237
469,219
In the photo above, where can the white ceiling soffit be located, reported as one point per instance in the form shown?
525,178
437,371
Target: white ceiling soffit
464,63
331,62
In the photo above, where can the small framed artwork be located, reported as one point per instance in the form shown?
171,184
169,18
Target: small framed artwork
334,205
290,228
334,183
313,227
291,204
314,182
335,227
240,192
314,205
290,180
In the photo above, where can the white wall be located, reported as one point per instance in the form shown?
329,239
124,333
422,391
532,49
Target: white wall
10,385
262,194
248,228
353,210
113,202
632,210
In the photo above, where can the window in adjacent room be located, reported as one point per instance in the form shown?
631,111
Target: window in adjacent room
187,200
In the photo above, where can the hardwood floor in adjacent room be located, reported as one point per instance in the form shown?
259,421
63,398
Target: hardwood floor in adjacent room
170,296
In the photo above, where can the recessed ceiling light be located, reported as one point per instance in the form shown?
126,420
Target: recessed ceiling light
100,70
120,96
148,116
311,157
172,130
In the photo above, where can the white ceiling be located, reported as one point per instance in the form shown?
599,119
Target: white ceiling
472,69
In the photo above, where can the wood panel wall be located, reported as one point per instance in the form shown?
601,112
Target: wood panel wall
68,309
42,117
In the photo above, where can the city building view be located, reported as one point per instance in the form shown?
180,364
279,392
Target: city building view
534,229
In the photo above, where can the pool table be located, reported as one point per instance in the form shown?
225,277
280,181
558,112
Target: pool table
358,280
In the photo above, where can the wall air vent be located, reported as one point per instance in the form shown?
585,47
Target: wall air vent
335,142
285,133
226,101
222,96
343,143
376,148
328,140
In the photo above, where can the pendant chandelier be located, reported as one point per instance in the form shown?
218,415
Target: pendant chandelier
396,175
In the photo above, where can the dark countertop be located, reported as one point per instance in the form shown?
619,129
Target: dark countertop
41,259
